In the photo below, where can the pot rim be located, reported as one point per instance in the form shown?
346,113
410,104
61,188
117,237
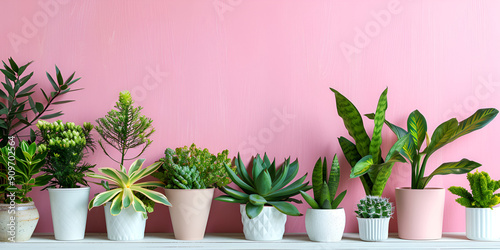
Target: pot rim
68,189
417,190
373,218
188,190
19,204
473,208
328,209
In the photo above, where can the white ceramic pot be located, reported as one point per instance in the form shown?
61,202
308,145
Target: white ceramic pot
325,225
482,223
268,225
17,221
69,212
373,229
126,226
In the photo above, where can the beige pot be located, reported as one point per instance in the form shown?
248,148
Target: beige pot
420,213
17,221
189,211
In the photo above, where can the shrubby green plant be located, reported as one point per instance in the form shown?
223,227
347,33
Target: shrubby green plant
483,191
374,207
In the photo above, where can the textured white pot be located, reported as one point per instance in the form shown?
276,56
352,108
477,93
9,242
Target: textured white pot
128,225
373,229
69,212
268,225
482,223
325,225
24,223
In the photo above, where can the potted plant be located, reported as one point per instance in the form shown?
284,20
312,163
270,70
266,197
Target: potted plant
265,197
420,209
324,220
481,215
68,190
125,211
18,214
365,155
373,217
190,176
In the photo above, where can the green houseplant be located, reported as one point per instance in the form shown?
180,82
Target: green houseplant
325,221
373,216
267,190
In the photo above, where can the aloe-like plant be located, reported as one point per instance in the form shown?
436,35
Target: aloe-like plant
325,186
374,207
266,186
483,191
445,133
124,189
364,155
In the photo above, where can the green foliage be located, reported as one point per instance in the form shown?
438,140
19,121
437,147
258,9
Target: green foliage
22,165
364,155
325,189
193,168
65,144
483,189
267,185
374,207
125,128
445,133
125,191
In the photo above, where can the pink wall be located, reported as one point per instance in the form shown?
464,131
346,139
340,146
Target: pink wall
253,76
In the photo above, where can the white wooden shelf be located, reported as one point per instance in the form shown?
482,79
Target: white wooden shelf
237,241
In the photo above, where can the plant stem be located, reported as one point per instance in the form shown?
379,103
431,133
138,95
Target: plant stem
422,171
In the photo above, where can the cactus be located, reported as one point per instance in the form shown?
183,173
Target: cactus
324,189
374,207
483,188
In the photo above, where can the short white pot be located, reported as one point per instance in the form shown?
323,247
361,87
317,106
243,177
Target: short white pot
69,212
373,229
325,225
126,226
482,223
268,225
17,221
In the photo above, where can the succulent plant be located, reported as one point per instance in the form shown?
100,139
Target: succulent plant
268,185
184,177
324,189
483,188
374,207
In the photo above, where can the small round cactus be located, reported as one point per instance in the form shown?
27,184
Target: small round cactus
374,207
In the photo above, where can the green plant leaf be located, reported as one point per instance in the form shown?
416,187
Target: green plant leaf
263,183
104,197
317,178
256,199
139,205
152,195
309,200
227,198
325,200
285,208
362,167
242,171
461,167
417,128
235,194
243,185
334,179
52,115
474,122
379,119
257,167
128,197
51,80
116,205
253,211
338,200
383,174
136,166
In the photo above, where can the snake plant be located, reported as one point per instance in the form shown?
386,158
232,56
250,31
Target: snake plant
482,187
266,186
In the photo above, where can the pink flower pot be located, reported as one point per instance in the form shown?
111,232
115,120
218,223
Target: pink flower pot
420,213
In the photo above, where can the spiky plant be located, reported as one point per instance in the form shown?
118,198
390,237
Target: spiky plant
374,207
483,189
267,185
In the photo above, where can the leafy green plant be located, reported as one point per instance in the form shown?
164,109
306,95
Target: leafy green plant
445,133
65,144
125,128
364,155
23,164
324,189
193,168
374,207
125,191
483,191
268,185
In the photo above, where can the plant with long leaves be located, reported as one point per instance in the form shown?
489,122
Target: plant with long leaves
482,193
124,188
445,133
266,186
365,154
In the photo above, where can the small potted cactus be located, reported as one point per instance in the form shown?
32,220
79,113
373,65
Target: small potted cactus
374,214
480,210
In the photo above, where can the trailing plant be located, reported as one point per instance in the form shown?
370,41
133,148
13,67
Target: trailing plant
193,168
125,128
445,133
65,144
267,185
483,191
125,191
374,207
365,154
324,189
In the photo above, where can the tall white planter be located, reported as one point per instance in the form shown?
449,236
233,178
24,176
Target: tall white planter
373,229
69,212
22,227
128,225
482,223
268,225
325,225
